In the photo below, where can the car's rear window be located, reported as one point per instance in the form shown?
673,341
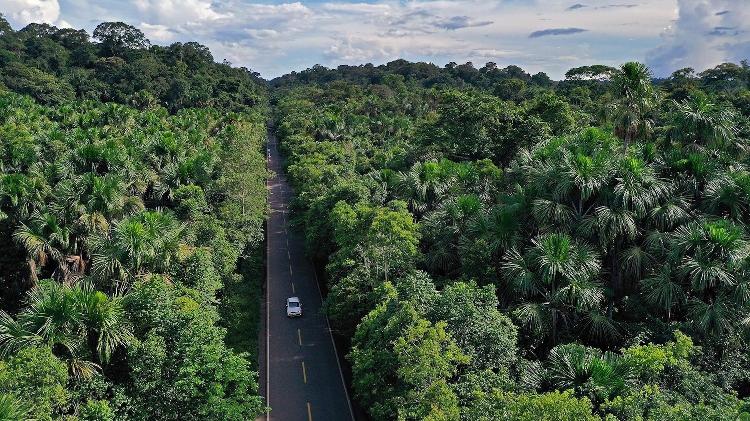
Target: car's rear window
293,304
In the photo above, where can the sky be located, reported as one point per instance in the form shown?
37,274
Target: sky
276,37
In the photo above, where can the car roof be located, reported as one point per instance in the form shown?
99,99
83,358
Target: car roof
293,299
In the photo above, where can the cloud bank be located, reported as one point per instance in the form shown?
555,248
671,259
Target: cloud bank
704,34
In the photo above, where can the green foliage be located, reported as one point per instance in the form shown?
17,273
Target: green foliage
652,403
96,411
480,330
11,409
505,209
182,369
97,198
44,87
447,205
649,361
556,405
474,126
34,380
57,65
401,363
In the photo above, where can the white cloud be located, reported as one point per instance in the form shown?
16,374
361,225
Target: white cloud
24,12
283,11
158,33
704,34
262,33
492,53
178,11
366,8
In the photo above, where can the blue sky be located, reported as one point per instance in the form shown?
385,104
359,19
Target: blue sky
275,37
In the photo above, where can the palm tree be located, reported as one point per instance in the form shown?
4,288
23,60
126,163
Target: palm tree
24,192
499,228
587,371
44,240
421,185
726,195
556,278
635,98
710,261
104,320
703,123
12,409
104,195
135,245
81,325
385,184
443,228
663,291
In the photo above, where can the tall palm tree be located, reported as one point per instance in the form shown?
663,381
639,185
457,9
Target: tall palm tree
422,185
557,282
499,228
728,195
81,325
703,123
443,228
662,290
635,98
45,241
708,276
141,243
23,192
104,321
587,371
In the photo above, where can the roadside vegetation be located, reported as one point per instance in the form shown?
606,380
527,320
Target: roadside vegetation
132,198
498,245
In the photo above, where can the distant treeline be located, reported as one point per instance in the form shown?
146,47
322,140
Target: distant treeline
54,65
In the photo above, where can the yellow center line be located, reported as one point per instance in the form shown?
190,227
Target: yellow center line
304,372
309,412
299,337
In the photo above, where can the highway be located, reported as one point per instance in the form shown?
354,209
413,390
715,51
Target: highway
300,375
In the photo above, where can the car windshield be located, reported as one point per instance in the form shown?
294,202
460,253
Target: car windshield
293,304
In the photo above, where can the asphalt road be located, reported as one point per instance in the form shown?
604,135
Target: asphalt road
300,375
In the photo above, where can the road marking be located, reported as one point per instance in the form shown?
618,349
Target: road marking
290,270
304,372
288,256
299,337
293,288
309,412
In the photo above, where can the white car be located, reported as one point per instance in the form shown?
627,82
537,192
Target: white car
293,307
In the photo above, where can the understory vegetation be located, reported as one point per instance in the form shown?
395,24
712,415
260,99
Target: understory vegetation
498,245
132,199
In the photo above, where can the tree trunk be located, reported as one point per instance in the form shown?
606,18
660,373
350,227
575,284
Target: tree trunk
33,280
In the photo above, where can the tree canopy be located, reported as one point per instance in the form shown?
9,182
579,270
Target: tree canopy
554,250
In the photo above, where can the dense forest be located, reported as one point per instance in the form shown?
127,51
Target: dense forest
494,244
132,199
497,245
